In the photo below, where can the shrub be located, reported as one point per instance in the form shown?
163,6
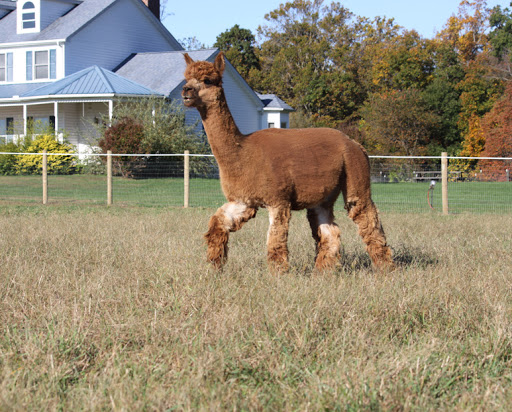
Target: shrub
30,164
8,162
124,136
151,126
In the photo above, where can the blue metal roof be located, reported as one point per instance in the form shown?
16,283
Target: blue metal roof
7,91
91,81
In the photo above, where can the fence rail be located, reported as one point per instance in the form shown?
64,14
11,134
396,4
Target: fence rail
399,183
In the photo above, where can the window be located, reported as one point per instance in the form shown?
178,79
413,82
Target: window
6,129
29,15
41,123
42,64
283,125
5,67
271,125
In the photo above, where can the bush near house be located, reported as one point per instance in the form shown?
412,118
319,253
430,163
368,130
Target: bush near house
151,126
7,161
31,164
124,136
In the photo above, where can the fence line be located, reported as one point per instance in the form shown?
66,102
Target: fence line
467,183
210,155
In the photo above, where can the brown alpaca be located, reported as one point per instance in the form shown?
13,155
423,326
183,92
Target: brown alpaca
282,170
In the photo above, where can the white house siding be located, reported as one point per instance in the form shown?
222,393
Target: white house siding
16,112
40,110
276,118
20,60
113,36
77,122
52,10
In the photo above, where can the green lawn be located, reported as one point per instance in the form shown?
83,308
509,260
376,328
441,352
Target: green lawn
164,192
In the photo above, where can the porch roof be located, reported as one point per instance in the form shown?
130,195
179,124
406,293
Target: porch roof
91,81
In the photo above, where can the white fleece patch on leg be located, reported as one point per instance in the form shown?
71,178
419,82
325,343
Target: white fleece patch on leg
232,212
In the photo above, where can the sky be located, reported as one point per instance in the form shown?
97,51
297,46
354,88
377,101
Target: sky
201,20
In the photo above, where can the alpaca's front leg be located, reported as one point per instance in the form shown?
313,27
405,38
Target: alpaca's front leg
277,238
228,218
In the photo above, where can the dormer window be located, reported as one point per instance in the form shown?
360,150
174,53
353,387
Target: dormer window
29,15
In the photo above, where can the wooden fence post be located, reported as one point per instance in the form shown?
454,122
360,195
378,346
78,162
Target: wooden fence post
109,177
45,177
444,181
186,178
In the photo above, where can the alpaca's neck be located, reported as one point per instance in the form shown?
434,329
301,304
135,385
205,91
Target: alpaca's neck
222,132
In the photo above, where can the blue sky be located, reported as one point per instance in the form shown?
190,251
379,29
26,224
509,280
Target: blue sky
207,19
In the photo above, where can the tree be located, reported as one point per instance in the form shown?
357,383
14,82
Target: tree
398,122
192,43
304,59
239,47
497,129
403,62
467,30
500,36
150,126
442,97
500,39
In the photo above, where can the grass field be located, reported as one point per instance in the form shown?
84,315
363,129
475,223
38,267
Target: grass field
116,309
476,197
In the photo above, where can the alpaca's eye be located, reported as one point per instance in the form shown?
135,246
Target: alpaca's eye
207,81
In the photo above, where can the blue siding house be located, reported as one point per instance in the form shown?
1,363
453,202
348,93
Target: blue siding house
68,62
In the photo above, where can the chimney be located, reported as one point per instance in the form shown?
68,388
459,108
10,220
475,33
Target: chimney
154,6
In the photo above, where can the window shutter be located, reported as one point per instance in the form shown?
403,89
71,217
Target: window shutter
29,65
53,64
9,67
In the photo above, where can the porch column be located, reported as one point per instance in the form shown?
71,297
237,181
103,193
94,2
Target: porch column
24,120
110,111
56,115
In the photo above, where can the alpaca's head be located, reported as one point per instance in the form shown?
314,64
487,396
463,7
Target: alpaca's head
204,81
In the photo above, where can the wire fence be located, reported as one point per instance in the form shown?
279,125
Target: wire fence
399,184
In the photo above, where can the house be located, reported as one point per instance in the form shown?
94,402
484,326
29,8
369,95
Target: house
67,63
276,113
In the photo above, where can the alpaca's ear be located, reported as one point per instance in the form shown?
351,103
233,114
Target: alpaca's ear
220,63
188,59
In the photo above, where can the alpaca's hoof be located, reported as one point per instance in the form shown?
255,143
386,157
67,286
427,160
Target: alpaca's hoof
326,263
386,267
278,263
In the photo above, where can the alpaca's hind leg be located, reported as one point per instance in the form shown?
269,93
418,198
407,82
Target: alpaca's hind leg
327,236
277,238
228,218
364,213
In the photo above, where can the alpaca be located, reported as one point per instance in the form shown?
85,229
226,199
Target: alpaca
282,170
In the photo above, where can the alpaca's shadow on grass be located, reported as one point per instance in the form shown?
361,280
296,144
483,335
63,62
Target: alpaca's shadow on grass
353,262
403,256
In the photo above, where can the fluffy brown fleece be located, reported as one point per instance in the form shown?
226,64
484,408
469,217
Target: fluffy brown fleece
282,170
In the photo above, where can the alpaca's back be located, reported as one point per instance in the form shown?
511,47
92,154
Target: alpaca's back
301,166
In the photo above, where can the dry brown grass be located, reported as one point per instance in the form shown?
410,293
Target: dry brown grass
117,309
